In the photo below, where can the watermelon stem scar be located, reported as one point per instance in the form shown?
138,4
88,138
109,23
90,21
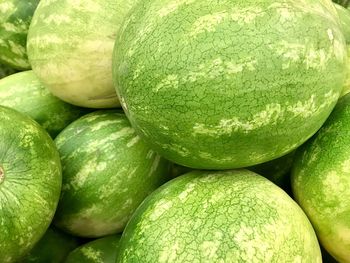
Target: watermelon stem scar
2,175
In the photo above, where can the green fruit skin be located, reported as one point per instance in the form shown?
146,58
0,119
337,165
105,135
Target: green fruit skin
321,181
344,15
229,85
107,172
25,93
6,71
75,39
53,247
100,250
15,18
219,216
31,185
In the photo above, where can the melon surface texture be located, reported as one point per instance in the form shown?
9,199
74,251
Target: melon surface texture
219,216
229,85
70,45
15,18
321,181
107,172
30,183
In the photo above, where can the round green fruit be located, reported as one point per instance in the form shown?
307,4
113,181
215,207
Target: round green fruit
30,183
219,216
53,247
103,250
25,93
15,18
229,85
70,46
321,181
107,172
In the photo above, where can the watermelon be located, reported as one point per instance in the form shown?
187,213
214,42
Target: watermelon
24,92
219,216
107,172
321,181
53,247
6,71
229,85
15,18
70,46
102,250
344,15
30,183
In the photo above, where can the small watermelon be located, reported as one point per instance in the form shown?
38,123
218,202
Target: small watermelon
217,217
102,250
70,46
321,181
24,92
15,18
107,172
30,183
230,84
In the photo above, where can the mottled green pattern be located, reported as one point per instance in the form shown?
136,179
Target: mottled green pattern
107,172
103,250
25,93
70,45
31,184
344,15
52,248
321,181
232,84
6,71
15,18
219,217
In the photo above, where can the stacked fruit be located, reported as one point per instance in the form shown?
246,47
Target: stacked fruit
174,131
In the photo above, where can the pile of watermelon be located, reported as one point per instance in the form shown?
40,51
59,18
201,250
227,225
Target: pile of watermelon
174,131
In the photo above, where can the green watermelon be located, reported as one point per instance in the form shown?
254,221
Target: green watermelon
107,173
53,247
70,46
102,250
217,217
344,15
6,71
15,18
24,92
232,84
30,183
321,181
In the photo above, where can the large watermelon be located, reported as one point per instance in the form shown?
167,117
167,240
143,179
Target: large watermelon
30,183
107,172
102,250
231,83
321,181
219,217
15,18
70,45
53,247
24,92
